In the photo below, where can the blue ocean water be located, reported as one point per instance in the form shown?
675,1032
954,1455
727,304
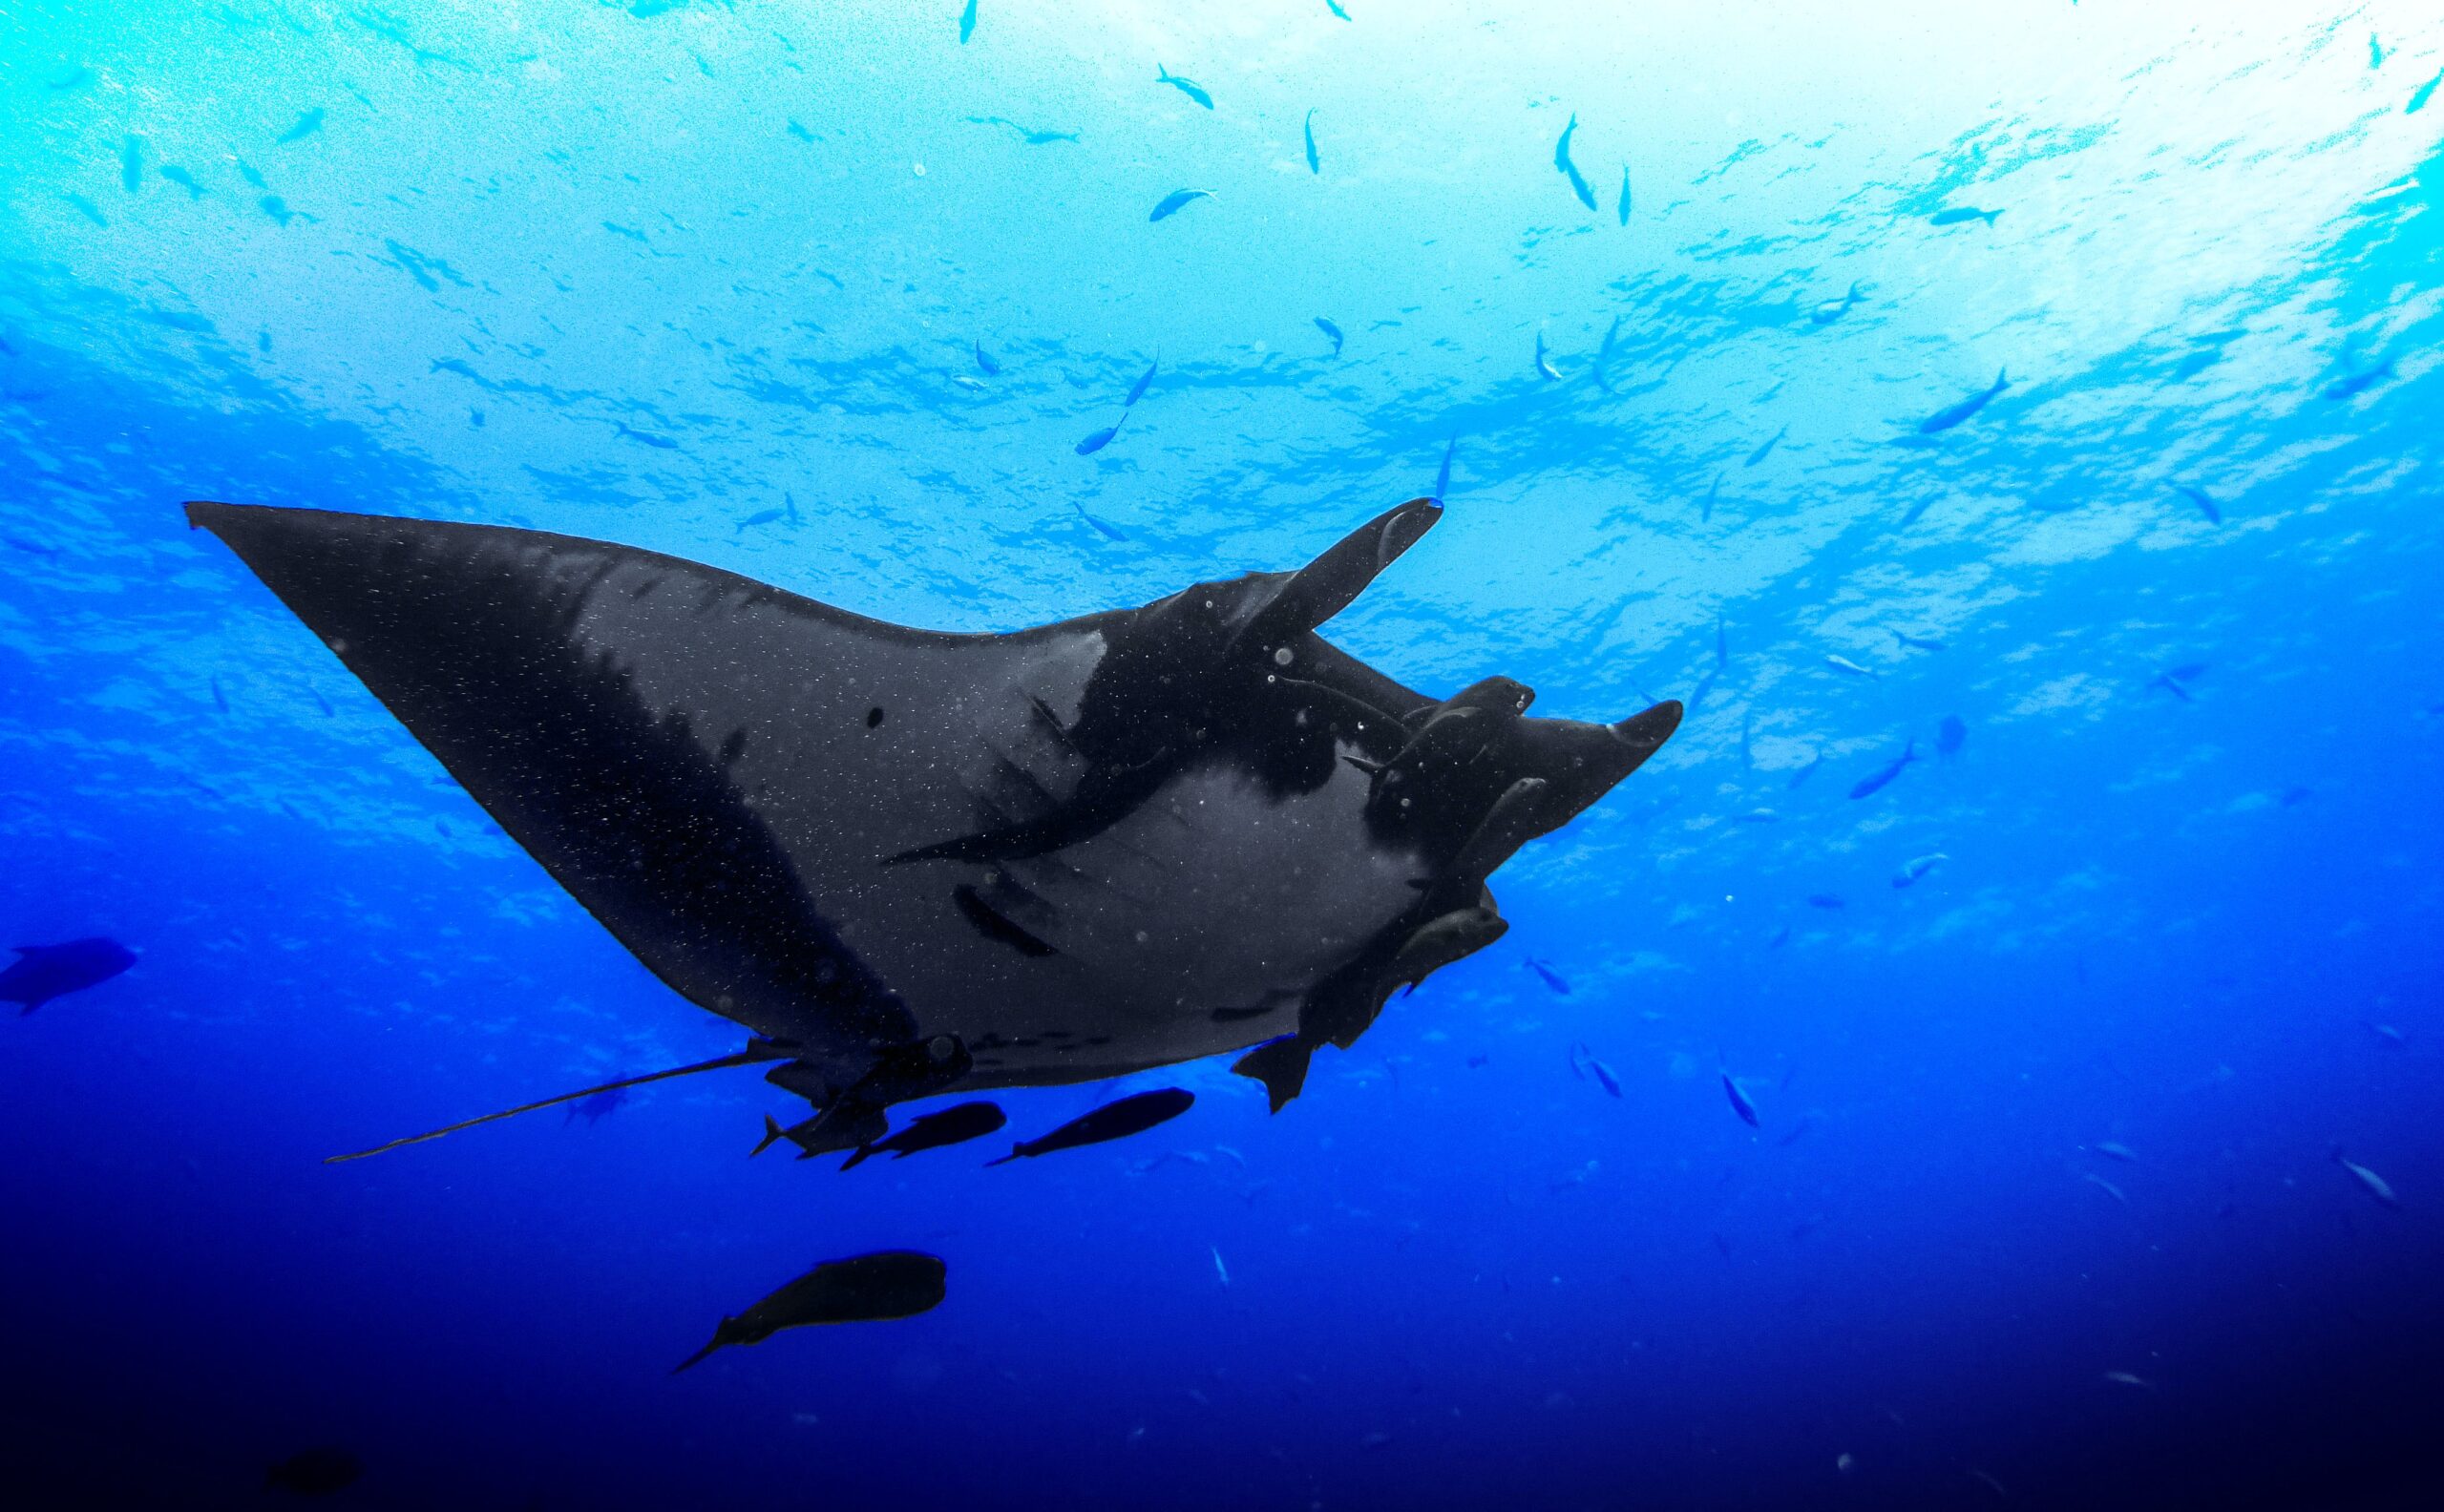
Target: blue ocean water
2051,1199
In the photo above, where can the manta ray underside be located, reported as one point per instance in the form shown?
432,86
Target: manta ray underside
911,862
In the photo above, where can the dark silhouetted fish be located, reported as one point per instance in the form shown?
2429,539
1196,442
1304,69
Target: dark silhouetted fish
1334,5
274,207
1187,87
1330,330
670,741
967,23
1101,438
2422,95
184,180
1029,135
1825,900
1767,450
1874,782
314,1472
1918,642
1314,164
1831,310
759,517
1553,979
41,973
1962,215
1130,1115
2375,51
1144,381
2206,502
1800,777
1104,527
659,443
1918,867
1625,194
985,361
1568,169
1946,418
594,1109
954,1126
1950,736
876,1287
1740,1103
1604,355
87,209
2175,681
2352,385
1604,1075
1175,199
307,126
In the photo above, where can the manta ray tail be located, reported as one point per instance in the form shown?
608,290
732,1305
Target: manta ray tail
759,1051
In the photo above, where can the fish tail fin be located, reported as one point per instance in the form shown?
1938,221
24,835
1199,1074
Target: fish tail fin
1281,1066
772,1132
1016,1151
858,1156
697,1357
1992,216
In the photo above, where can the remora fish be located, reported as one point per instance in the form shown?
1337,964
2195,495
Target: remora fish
1561,160
1330,330
953,1126
1101,438
1130,1115
1187,87
1945,419
864,1288
1177,198
1314,164
2206,502
1875,781
1912,870
1145,380
1962,215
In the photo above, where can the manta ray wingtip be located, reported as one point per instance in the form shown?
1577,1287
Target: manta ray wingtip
1281,1066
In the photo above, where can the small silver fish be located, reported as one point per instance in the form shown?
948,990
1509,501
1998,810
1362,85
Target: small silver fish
2377,1186
1843,663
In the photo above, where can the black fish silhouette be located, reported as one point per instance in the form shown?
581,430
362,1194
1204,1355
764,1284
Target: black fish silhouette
914,862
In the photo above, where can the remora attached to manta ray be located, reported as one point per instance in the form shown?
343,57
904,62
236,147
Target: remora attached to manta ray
914,862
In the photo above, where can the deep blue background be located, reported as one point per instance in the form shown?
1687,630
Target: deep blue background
2167,924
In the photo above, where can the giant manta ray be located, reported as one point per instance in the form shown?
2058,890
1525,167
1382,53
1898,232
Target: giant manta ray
913,862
